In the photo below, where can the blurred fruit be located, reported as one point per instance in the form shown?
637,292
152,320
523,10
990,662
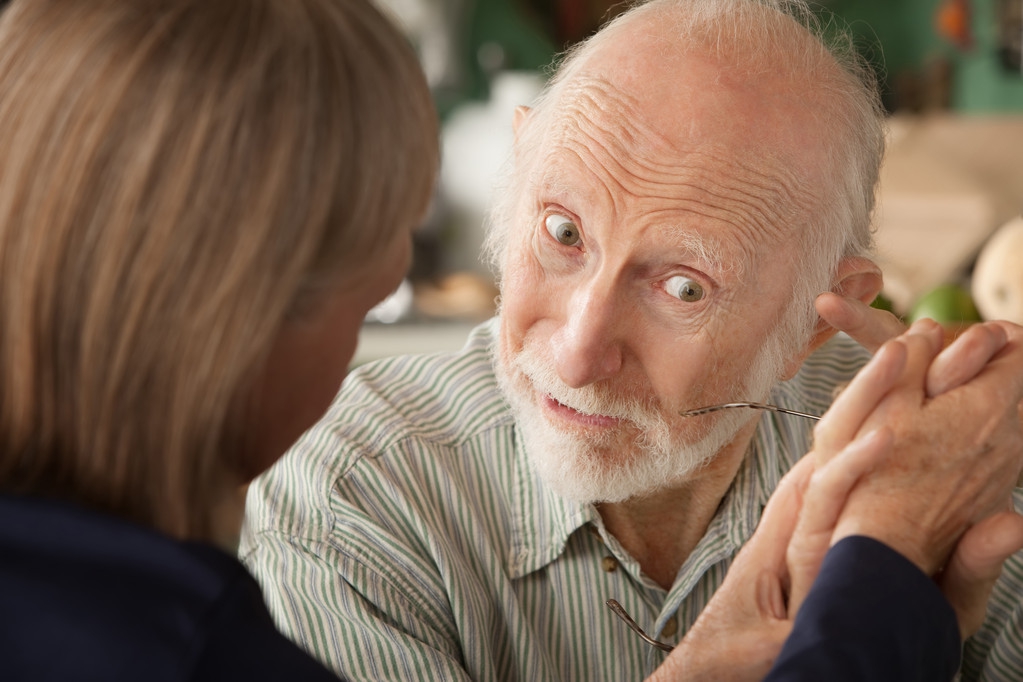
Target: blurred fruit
998,274
953,23
950,305
947,304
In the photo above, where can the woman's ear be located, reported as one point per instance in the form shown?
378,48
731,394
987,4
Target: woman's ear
856,277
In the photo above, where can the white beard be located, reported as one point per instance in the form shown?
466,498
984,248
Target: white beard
645,453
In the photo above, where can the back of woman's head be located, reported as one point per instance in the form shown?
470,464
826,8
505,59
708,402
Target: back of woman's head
177,179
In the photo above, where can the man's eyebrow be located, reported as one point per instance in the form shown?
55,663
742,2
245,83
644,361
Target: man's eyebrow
710,252
553,183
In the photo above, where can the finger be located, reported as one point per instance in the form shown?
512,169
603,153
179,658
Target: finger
825,496
1001,378
923,341
754,586
998,384
965,357
770,597
853,405
846,417
929,329
976,564
1008,361
869,327
823,501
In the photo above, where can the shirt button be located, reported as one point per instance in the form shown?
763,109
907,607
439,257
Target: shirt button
609,564
670,628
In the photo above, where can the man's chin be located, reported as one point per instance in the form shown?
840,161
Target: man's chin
593,483
593,470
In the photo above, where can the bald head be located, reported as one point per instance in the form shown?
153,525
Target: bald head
752,74
735,54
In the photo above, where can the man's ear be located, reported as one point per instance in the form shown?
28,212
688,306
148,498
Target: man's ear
856,277
519,118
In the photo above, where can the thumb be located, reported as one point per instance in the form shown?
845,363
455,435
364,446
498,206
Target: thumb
767,548
975,565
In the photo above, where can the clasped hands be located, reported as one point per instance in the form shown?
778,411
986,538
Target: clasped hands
921,452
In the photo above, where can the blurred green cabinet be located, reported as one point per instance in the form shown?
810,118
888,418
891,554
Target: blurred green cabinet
900,36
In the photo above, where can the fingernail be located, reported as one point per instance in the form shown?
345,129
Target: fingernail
924,325
884,353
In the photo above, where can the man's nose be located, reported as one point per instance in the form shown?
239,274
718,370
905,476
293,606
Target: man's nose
588,347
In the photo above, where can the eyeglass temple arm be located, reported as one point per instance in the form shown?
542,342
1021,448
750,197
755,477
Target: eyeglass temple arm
620,611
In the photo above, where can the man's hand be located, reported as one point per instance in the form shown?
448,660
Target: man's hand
942,480
957,453
975,565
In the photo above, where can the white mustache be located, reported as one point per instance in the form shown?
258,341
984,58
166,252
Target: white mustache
588,400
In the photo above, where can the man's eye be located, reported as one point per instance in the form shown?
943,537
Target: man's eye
562,229
685,289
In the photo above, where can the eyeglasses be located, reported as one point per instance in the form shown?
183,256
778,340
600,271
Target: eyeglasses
755,406
620,611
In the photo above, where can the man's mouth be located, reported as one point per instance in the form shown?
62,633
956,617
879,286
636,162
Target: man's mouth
574,416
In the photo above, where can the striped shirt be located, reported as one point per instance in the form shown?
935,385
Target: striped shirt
405,537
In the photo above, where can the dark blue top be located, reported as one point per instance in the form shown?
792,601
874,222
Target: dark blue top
871,615
85,596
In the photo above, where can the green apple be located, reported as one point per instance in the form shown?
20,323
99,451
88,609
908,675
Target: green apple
948,304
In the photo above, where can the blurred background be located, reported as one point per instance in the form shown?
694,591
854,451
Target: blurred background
953,179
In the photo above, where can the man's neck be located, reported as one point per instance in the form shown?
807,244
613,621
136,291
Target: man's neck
661,530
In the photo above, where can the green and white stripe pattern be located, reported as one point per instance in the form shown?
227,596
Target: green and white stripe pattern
405,537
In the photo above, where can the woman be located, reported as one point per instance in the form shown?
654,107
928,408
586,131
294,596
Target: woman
199,201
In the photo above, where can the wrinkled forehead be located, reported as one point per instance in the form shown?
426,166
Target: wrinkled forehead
659,99
658,87
676,149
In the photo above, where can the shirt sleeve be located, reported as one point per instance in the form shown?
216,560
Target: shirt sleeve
240,642
362,618
871,615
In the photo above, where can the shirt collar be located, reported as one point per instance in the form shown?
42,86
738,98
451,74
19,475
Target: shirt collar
542,520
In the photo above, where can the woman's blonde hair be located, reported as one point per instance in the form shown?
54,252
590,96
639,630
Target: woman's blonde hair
178,178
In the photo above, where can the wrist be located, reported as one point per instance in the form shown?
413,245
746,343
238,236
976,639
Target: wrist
893,534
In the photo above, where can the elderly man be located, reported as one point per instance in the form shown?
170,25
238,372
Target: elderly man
695,175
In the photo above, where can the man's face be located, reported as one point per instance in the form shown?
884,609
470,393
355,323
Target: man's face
649,265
